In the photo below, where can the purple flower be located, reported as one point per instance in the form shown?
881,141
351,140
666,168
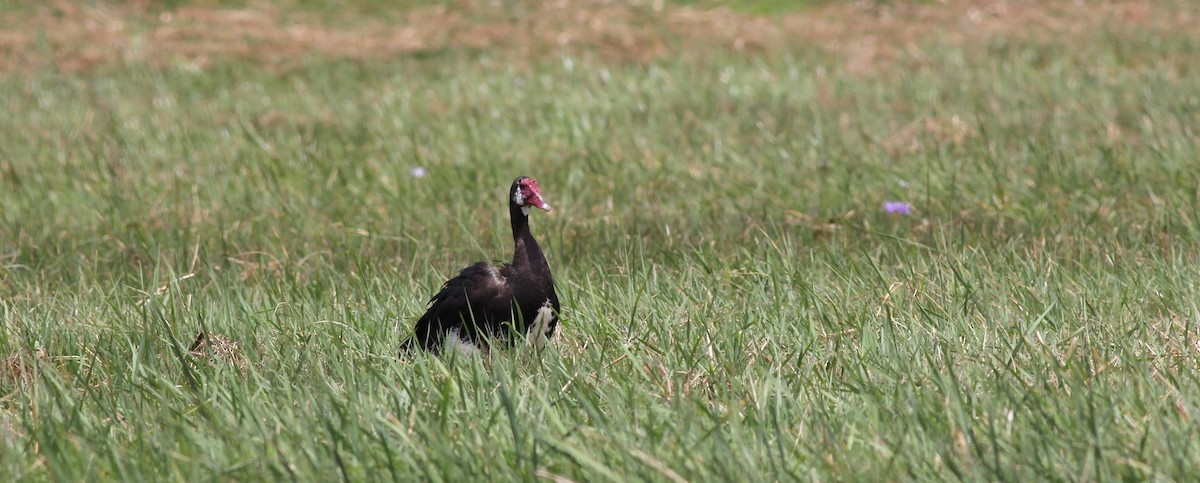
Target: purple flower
897,208
418,172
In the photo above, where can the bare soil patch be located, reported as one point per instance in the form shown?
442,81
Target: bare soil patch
863,34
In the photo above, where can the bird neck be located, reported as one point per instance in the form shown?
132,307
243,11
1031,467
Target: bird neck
528,253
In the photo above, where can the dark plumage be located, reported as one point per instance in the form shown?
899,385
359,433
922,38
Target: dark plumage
508,303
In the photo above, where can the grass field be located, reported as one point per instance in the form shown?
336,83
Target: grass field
737,304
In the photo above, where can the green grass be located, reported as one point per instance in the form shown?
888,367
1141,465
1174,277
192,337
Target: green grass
736,305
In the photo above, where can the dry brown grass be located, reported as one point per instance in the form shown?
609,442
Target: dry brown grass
863,34
18,368
217,349
866,34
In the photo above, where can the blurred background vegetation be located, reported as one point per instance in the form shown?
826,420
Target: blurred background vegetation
298,177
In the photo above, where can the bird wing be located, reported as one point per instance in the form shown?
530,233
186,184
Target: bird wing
469,296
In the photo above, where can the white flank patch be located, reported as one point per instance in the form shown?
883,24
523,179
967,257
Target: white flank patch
540,332
456,343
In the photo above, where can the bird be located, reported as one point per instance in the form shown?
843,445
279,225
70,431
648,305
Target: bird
504,303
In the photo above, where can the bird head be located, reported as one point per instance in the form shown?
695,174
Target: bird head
525,193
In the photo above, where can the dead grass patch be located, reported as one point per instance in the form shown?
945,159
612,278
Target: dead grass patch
928,132
217,349
863,35
19,368
867,34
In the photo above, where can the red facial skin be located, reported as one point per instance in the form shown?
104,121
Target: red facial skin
533,194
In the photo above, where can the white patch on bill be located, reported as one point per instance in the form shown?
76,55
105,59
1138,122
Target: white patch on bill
456,343
539,334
